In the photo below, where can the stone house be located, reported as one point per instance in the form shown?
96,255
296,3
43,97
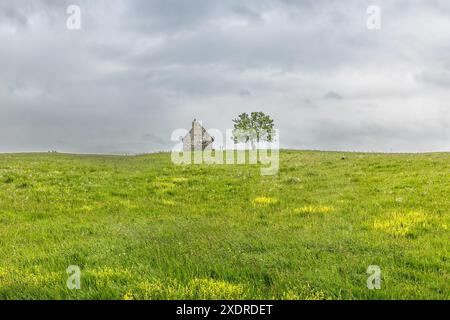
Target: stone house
198,139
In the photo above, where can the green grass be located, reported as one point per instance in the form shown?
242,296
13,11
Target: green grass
142,228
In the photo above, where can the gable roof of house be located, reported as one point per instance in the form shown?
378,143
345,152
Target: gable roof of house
206,137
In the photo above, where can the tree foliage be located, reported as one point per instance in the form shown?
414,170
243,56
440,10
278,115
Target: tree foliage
253,128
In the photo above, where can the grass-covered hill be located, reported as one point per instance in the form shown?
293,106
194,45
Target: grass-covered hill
142,228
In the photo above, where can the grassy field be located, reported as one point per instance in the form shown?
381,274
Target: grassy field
142,228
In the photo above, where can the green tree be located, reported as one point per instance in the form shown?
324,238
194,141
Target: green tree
254,128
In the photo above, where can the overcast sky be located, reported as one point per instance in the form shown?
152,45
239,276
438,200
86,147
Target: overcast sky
137,70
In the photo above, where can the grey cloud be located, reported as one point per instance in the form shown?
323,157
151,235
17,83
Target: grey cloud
139,69
440,77
13,16
244,92
331,95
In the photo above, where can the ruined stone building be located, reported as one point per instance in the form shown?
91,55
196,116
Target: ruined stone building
198,139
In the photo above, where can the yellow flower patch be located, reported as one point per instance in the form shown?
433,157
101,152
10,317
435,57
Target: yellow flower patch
167,185
215,289
178,180
128,296
127,204
403,223
314,209
14,277
197,288
106,276
306,293
168,202
164,186
264,201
